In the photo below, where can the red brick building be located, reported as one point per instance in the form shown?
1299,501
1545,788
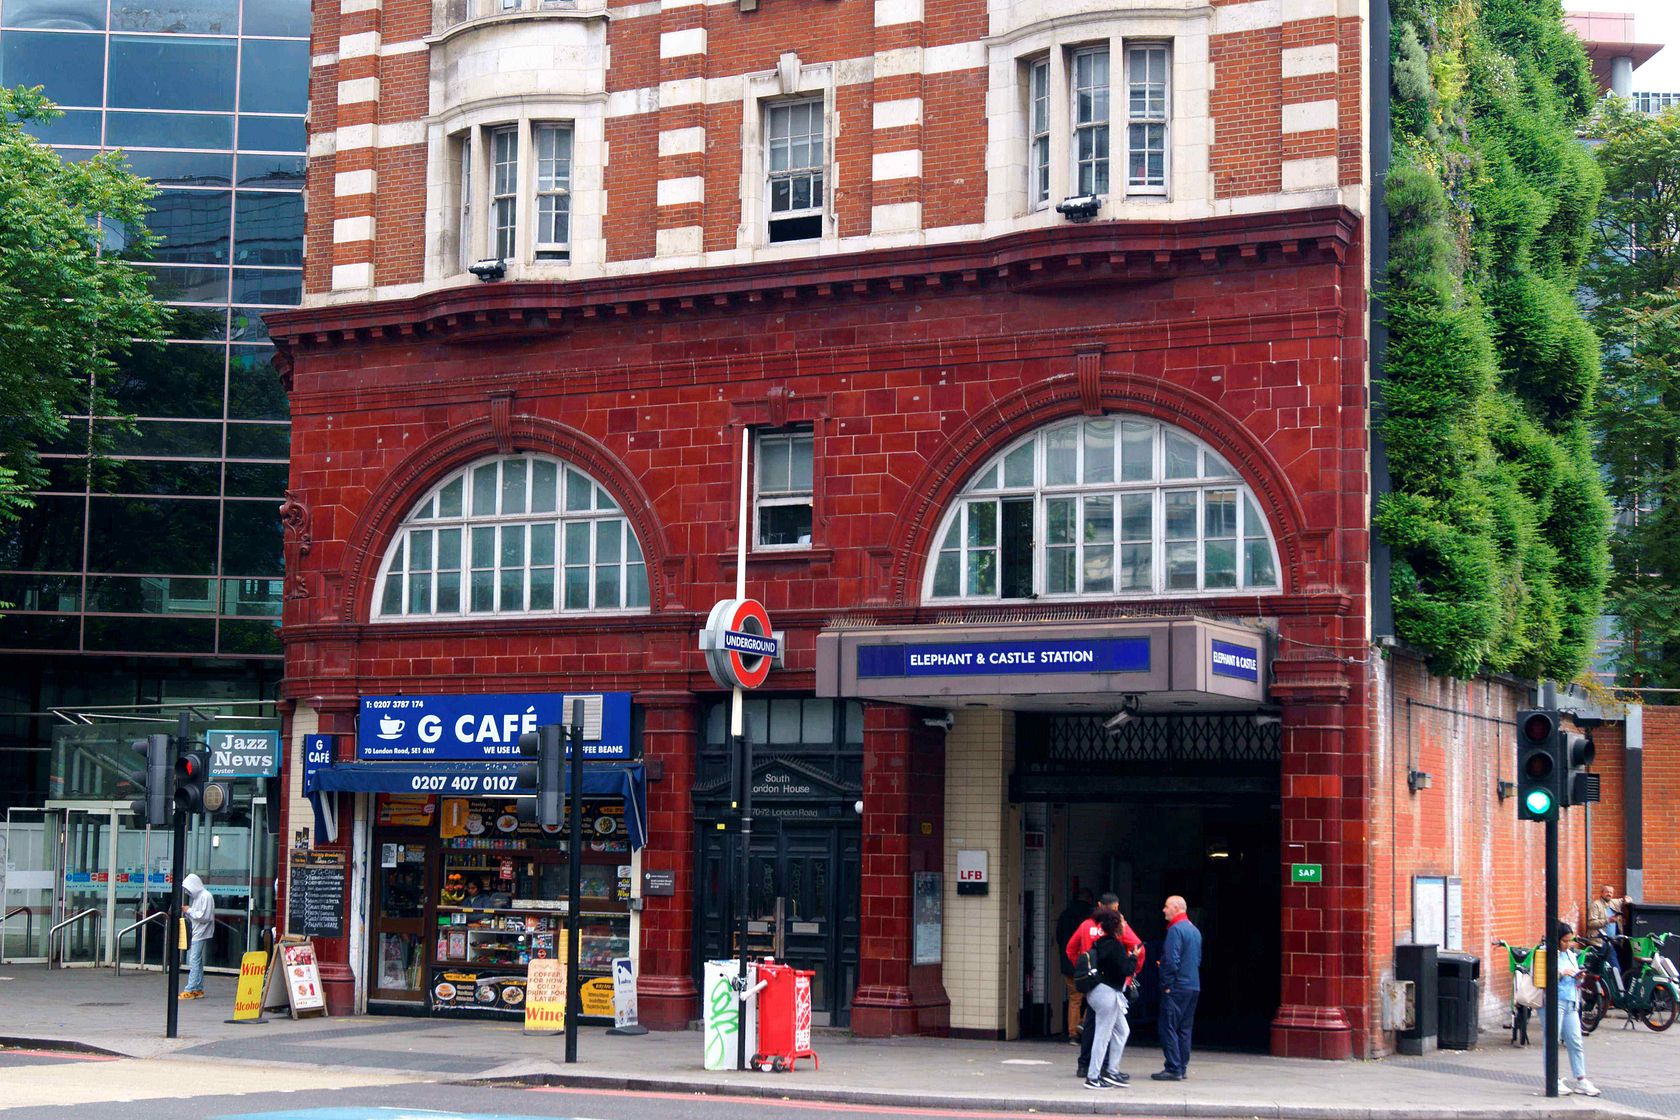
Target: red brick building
1044,324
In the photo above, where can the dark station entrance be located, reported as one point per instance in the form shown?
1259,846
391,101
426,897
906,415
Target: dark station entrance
1167,804
803,881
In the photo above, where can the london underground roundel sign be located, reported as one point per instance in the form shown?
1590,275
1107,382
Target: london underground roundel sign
739,644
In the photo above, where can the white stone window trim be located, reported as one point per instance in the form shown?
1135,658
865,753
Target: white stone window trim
1189,181
400,549
791,81
794,436
449,255
450,16
1158,486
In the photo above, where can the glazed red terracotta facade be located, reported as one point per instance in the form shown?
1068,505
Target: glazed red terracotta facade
914,367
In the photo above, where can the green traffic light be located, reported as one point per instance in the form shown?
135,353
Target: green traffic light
1539,801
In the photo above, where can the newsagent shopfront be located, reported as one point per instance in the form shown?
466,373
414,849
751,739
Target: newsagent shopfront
455,888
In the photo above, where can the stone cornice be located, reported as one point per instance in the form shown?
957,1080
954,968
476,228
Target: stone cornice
1073,257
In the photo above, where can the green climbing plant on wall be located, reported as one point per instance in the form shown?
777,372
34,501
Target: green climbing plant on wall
1496,520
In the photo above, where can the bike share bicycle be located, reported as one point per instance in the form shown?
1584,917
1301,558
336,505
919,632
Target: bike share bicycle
1651,997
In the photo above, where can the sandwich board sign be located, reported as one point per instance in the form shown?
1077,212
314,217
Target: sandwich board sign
299,989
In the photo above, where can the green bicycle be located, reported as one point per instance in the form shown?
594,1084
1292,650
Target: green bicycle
1653,997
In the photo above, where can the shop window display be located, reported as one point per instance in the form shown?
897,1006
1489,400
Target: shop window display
463,945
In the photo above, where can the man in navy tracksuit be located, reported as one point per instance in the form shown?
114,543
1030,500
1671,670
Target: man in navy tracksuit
1181,984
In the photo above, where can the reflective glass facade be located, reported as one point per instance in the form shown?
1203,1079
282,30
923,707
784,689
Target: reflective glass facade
174,545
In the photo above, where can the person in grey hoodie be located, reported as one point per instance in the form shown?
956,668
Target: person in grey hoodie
201,922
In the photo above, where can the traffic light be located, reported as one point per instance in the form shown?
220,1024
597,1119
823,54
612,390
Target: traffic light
544,745
1579,787
1539,765
152,806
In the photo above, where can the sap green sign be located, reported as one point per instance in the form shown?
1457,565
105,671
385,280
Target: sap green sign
1306,873
243,754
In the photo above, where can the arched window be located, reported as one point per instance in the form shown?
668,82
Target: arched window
526,535
1106,508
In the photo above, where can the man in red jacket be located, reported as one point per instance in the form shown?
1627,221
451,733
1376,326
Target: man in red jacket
1079,943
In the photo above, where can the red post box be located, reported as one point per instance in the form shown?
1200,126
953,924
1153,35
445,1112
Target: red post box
784,1018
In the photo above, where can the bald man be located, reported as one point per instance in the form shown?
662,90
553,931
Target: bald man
1181,986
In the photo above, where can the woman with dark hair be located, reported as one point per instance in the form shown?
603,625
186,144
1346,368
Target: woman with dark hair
1108,1004
1569,1013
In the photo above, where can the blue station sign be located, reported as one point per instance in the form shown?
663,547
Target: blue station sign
484,726
1237,661
960,659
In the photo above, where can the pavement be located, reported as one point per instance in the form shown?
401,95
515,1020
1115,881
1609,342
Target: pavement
94,1012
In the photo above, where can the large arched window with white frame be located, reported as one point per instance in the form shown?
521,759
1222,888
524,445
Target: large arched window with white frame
1114,507
520,535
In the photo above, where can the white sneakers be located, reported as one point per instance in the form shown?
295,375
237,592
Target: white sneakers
1584,1087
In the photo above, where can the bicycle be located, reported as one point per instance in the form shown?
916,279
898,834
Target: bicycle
1518,959
1652,997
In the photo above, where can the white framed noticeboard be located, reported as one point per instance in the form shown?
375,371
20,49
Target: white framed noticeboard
1438,911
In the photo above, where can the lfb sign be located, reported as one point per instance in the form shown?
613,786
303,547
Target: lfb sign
740,647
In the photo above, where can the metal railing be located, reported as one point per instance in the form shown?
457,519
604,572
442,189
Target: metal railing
91,912
154,916
28,929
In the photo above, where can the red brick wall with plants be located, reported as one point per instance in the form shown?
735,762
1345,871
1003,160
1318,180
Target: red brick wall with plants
1463,733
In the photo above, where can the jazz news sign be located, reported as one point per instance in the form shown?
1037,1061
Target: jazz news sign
243,754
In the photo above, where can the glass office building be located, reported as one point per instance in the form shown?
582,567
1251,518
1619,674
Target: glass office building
155,579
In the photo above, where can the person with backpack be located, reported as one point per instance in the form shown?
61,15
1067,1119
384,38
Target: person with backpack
1107,965
1081,941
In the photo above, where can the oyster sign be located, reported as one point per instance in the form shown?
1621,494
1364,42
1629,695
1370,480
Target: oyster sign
484,726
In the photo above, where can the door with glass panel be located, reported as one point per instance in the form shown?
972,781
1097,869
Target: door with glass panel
84,842
402,886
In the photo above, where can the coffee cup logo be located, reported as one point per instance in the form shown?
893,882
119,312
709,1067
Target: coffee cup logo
390,728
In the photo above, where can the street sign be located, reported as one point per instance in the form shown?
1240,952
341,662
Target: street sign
1306,873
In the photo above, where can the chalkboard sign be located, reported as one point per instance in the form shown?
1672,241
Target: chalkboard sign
315,907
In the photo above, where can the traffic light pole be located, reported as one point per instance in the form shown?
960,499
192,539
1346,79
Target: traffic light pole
574,886
1553,1013
172,940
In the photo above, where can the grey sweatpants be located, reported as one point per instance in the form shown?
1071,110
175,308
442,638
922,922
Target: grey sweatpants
1109,1030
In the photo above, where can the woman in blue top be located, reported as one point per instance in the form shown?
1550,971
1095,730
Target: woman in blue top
1569,1013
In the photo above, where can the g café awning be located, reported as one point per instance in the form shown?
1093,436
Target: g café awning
627,780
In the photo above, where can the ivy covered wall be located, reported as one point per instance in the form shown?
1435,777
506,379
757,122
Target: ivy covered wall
1497,521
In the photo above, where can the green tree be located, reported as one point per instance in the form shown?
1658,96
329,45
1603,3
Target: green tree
1635,284
71,303
1496,519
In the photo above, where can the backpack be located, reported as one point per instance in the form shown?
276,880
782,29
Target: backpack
1085,974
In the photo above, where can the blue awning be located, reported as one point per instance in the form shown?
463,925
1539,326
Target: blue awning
626,780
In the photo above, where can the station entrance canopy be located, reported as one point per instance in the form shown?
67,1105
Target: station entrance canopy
1168,664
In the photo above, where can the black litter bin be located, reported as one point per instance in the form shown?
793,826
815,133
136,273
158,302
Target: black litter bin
1416,963
1460,1000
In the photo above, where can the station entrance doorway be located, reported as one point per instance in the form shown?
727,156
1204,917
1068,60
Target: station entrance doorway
1166,804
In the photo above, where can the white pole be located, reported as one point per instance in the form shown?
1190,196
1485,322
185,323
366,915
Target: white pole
735,716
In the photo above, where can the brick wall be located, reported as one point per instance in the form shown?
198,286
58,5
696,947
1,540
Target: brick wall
1662,805
1284,112
1463,733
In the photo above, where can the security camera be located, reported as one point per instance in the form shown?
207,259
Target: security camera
490,268
1080,208
944,722
1129,709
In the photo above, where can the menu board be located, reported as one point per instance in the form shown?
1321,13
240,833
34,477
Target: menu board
459,990
315,900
